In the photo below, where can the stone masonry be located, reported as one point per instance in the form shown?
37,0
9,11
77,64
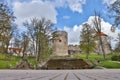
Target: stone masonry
60,43
105,43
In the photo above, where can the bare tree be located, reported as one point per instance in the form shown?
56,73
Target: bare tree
40,31
25,44
114,12
117,50
97,28
6,30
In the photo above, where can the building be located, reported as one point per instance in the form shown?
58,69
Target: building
106,45
72,49
16,51
60,43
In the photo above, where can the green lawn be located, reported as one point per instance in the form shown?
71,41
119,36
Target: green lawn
92,56
110,64
107,63
12,61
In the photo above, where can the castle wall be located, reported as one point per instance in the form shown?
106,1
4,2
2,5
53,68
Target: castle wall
106,45
60,43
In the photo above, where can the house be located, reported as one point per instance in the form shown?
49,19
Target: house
15,51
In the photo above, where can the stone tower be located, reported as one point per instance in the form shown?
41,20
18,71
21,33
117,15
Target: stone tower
106,45
60,43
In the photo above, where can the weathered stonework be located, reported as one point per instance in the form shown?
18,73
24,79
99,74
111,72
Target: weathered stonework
72,49
106,45
60,43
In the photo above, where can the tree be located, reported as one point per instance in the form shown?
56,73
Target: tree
117,50
114,10
6,30
25,44
87,43
40,36
97,29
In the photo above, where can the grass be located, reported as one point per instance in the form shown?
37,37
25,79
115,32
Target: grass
92,56
107,63
7,64
110,64
12,61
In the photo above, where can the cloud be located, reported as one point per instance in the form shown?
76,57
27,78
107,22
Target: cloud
108,2
74,33
26,10
74,5
66,17
105,27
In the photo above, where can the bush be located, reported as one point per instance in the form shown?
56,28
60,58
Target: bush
115,58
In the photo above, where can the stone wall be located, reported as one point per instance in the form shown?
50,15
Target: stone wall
72,49
60,43
106,45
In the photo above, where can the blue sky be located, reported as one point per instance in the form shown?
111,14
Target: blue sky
67,15
78,18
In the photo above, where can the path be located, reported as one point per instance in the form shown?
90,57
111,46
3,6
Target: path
94,74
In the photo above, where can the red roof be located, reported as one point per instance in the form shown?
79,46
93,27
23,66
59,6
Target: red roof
17,50
100,34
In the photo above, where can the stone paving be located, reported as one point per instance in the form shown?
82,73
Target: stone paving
90,74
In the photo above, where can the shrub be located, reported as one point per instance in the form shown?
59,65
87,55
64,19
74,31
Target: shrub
115,58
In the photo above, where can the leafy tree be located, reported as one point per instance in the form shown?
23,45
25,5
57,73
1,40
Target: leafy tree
87,43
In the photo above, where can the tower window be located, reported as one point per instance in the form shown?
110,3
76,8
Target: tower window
60,40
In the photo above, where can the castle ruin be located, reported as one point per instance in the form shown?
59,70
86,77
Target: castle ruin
106,45
60,43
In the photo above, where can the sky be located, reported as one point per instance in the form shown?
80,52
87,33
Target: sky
67,15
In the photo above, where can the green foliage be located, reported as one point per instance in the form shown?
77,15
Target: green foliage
115,58
87,43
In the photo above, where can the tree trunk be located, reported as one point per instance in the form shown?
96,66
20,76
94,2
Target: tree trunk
102,47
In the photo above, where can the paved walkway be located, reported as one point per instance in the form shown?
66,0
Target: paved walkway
94,74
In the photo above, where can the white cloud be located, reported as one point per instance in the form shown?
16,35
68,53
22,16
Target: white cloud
74,5
66,17
74,33
105,27
26,10
108,2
